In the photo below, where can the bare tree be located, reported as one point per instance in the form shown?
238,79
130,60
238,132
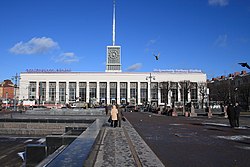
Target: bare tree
243,95
164,86
220,91
185,87
202,86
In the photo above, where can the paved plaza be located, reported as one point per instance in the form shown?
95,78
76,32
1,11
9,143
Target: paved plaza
148,139
197,141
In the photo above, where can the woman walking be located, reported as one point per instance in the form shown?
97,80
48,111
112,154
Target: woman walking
114,118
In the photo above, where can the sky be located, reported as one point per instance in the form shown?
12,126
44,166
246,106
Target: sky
208,35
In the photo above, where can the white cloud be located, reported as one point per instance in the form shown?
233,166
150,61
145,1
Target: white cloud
68,58
152,42
34,46
218,2
221,41
151,45
134,67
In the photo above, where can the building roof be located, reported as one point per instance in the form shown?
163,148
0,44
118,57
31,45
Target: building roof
7,83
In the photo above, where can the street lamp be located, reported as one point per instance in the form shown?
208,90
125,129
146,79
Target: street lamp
150,77
15,78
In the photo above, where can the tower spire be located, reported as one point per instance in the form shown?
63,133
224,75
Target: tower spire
114,23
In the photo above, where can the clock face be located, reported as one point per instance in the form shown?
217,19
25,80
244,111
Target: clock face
113,54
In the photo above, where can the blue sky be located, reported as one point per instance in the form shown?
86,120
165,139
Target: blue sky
209,35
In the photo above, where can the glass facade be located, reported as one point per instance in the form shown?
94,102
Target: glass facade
174,92
52,91
42,91
72,91
103,93
113,92
82,91
134,91
92,91
169,92
193,92
144,92
164,86
123,92
32,91
62,92
154,91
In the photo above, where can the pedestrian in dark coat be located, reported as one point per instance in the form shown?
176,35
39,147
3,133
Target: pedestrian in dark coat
120,115
231,115
106,110
237,110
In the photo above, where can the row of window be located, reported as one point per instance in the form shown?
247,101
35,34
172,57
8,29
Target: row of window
164,92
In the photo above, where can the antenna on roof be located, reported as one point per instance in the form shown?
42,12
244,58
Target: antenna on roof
114,23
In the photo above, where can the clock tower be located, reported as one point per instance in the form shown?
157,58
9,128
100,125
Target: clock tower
113,62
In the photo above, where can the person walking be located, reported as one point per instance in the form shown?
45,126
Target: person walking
114,117
237,110
120,115
231,115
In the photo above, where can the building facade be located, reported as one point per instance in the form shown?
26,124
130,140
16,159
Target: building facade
231,88
111,87
7,90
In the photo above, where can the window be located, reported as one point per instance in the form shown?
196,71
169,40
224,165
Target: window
123,92
103,92
52,91
154,91
92,91
144,92
164,86
42,91
82,91
32,90
72,91
174,91
133,91
113,92
62,92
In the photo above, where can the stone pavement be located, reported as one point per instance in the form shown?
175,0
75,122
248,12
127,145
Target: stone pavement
194,141
122,146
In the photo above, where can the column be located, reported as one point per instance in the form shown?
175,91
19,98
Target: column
179,92
118,93
77,91
98,91
37,89
128,89
189,95
47,91
139,93
169,97
108,93
87,92
159,93
57,92
67,92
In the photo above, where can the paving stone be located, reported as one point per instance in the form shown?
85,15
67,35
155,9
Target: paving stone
115,149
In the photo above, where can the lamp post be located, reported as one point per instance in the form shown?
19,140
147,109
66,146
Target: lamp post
150,77
15,78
